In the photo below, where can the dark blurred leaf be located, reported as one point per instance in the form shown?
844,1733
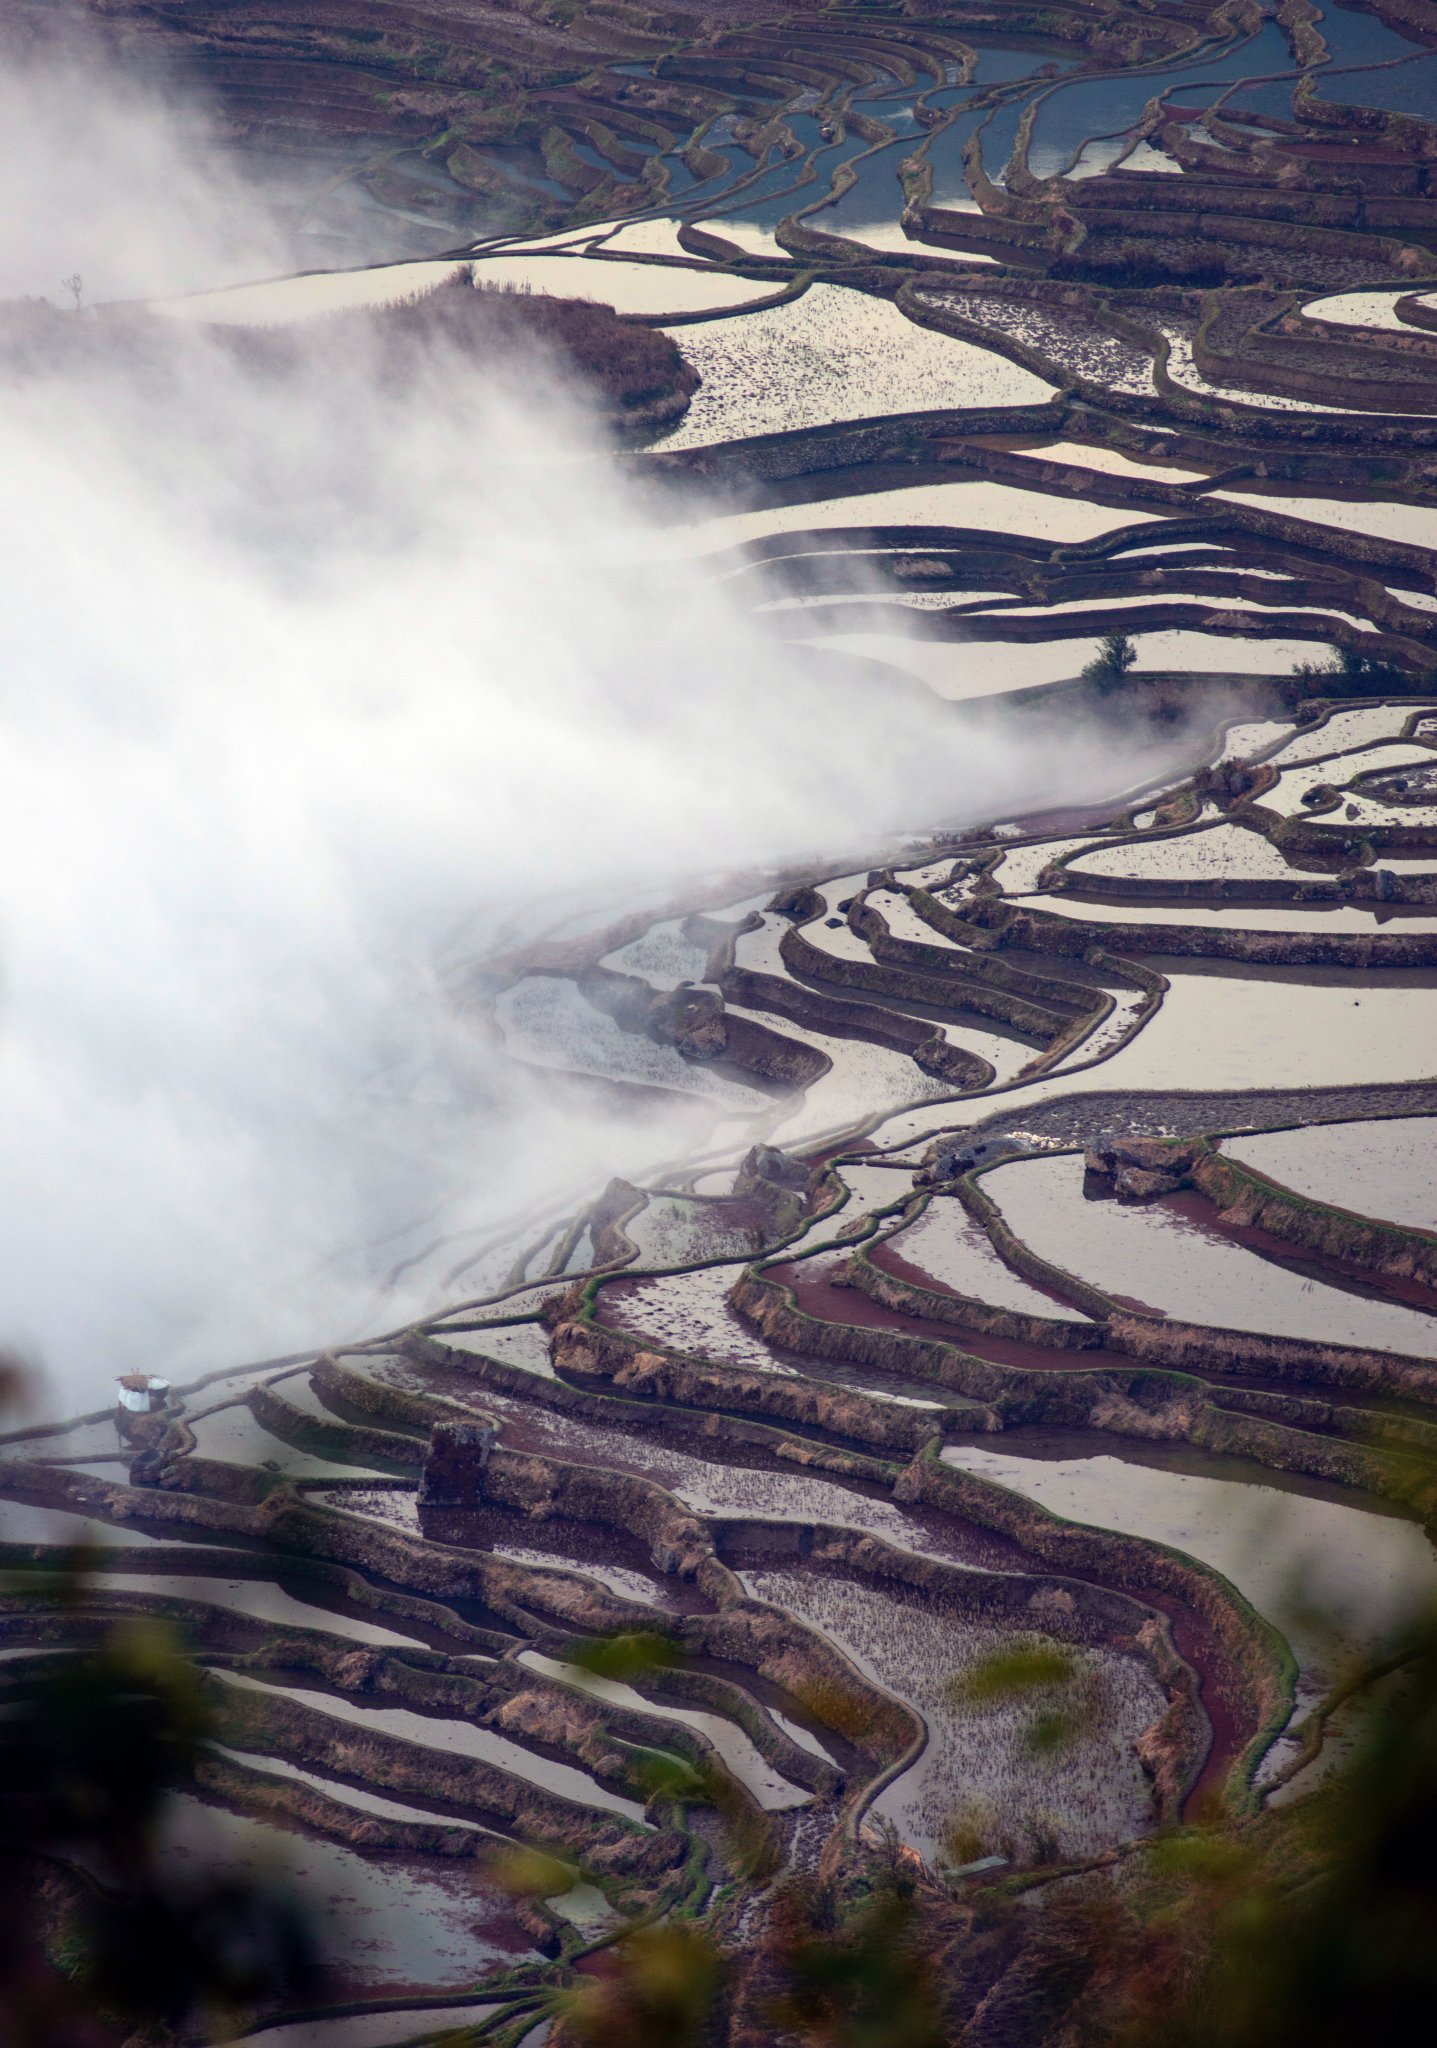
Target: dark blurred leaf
89,1753
527,1873
657,1992
626,1657
1010,1674
98,1743
868,1986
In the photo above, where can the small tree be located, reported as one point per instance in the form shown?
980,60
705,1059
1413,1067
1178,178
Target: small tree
74,284
1115,656
1349,673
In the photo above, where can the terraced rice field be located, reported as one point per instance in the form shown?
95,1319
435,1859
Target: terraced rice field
1047,1252
826,1413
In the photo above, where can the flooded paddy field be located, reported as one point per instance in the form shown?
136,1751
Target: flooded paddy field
971,1769
384,1928
1184,1268
832,356
1384,1169
951,1250
1336,1578
1220,1028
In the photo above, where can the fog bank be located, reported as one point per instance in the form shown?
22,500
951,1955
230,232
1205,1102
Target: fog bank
306,685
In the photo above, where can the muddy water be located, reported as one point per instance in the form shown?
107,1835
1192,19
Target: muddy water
1338,1580
1018,871
1294,783
862,1078
673,1231
1109,1033
822,1292
974,1766
401,1510
373,2030
346,1795
524,1344
690,1312
258,1600
1332,1271
547,1023
1386,1169
1347,1733
393,1924
234,1435
873,1187
831,355
22,1523
1253,741
738,1481
629,287
1213,853
301,298
89,1440
663,956
1251,917
1163,1259
1346,728
732,1341
578,1554
946,1248
1001,507
1361,309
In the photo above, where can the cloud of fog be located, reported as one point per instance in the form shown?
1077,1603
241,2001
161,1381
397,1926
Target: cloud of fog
297,680
108,181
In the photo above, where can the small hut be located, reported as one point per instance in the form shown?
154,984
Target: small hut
141,1393
142,1396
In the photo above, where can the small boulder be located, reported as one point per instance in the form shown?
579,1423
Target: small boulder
692,1021
1136,1184
1141,1168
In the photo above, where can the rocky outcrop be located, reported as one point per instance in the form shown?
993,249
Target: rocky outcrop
1142,1168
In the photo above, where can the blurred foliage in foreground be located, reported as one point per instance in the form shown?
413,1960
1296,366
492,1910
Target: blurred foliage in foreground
92,1745
1313,1925
1316,1924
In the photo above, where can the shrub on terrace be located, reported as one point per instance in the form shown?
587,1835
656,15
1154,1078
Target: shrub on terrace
1115,656
1350,674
